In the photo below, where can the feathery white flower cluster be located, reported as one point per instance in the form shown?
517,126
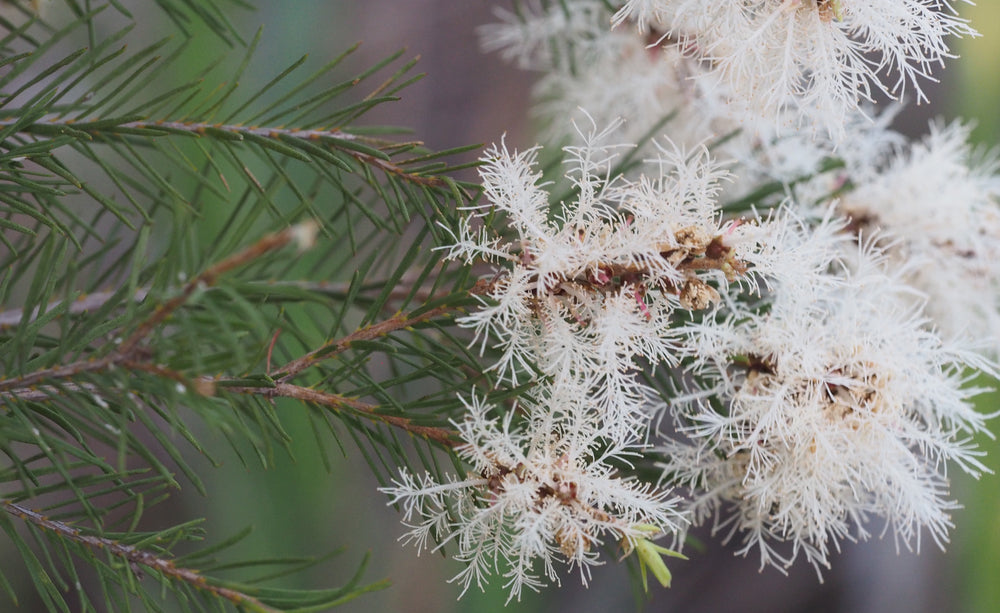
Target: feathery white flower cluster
817,356
820,58
587,292
840,404
540,492
624,77
583,294
936,203
830,399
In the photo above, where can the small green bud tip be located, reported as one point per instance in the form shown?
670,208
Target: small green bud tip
651,557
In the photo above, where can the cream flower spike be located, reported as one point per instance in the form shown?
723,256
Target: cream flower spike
541,493
939,202
821,58
840,406
590,286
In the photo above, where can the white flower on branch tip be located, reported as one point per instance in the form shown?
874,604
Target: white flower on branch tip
591,72
813,55
939,201
587,290
812,166
548,36
538,494
645,86
839,406
797,253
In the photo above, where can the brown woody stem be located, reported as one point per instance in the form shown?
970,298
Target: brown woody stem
129,351
327,137
337,402
136,557
376,330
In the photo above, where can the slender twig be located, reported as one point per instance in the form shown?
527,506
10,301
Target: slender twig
443,436
129,351
398,322
209,276
15,385
203,128
391,168
328,137
45,392
95,300
83,304
376,330
137,557
208,386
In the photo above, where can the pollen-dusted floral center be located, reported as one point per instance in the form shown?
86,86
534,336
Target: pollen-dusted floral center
691,250
849,393
853,403
829,10
861,222
850,396
555,486
496,480
861,393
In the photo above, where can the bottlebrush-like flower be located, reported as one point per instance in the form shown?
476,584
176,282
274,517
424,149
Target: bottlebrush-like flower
815,55
647,87
538,494
544,36
587,288
594,72
939,205
812,165
838,405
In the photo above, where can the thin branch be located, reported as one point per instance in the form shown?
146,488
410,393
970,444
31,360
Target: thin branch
83,304
391,168
135,556
204,128
129,352
328,137
337,402
45,392
376,330
95,300
302,233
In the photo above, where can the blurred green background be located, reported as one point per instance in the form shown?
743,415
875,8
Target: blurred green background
976,95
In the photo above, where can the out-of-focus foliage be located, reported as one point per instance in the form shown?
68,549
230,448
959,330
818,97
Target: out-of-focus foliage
151,294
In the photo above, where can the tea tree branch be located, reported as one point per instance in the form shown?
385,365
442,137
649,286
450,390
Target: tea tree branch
365,150
136,557
129,352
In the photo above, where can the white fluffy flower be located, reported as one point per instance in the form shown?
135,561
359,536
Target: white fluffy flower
836,406
651,89
815,55
587,289
538,494
812,167
591,72
939,203
546,36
